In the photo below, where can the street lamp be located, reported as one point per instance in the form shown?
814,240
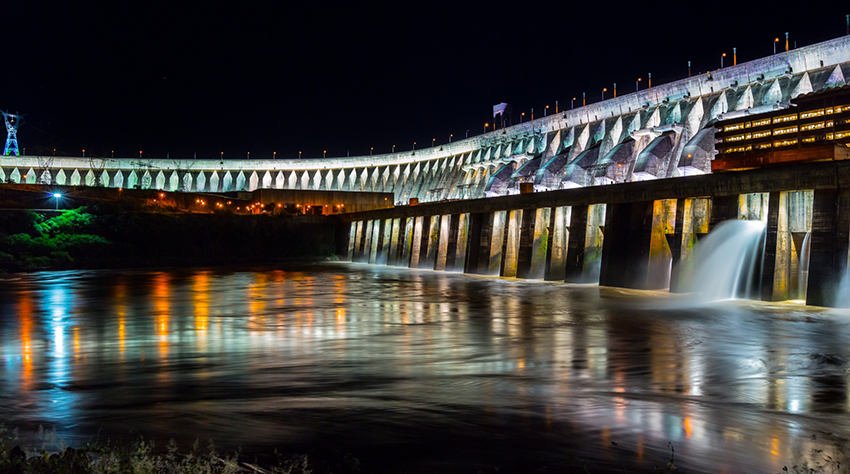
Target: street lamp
450,137
649,79
532,113
57,196
604,90
486,125
274,155
371,150
140,153
721,60
299,155
573,103
637,84
583,99
393,148
84,152
433,140
556,106
774,45
615,90
546,111
521,116
324,153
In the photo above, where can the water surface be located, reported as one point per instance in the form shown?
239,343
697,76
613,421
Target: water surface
419,371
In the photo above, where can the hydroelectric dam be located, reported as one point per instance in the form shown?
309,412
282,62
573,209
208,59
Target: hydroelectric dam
664,131
622,189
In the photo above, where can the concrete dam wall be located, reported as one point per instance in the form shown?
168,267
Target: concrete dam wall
661,132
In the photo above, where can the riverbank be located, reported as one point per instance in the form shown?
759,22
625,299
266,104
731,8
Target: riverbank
109,236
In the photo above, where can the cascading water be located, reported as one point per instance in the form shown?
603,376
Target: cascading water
803,267
727,262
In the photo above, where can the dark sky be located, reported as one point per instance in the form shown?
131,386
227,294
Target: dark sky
183,77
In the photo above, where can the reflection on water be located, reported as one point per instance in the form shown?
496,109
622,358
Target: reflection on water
390,360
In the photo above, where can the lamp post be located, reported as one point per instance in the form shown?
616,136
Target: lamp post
222,157
521,116
393,148
371,150
786,41
615,90
274,155
140,154
546,111
467,133
573,103
486,125
299,155
583,99
637,84
689,69
774,45
84,153
734,56
721,60
57,196
414,146
532,113
433,141
604,90
556,106
450,137
324,153
649,79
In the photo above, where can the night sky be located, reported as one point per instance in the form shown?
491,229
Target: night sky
185,77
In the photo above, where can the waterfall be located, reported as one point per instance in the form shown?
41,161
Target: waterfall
727,262
803,268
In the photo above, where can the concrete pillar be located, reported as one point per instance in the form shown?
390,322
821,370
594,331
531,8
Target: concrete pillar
406,245
594,237
433,242
692,215
576,239
625,250
352,241
497,239
788,221
443,242
664,213
510,247
385,235
358,241
374,242
753,206
556,244
393,254
476,237
452,233
829,241
534,243
462,242
416,245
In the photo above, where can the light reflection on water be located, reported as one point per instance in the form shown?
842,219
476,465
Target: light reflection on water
377,357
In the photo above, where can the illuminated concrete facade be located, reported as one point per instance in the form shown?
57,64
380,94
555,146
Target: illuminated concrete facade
661,132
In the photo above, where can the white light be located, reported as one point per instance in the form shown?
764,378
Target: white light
57,195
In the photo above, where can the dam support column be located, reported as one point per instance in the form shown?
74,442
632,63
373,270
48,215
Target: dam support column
829,239
406,243
417,241
574,269
692,217
664,212
384,242
430,242
496,245
393,254
443,242
510,247
723,208
452,240
533,243
556,244
625,250
788,221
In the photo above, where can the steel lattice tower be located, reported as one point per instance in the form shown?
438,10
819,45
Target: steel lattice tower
12,122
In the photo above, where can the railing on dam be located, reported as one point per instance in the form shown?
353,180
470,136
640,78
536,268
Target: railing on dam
661,132
633,235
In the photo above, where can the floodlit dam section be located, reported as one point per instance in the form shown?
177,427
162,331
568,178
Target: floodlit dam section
633,235
660,132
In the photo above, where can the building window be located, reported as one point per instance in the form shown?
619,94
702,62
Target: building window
812,113
761,123
781,143
785,118
783,131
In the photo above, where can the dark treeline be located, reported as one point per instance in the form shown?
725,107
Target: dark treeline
109,236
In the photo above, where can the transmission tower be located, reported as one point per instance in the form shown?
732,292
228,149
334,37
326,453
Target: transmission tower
12,122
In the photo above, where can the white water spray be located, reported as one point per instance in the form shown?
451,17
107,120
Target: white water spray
725,261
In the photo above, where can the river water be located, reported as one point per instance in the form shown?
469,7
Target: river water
419,371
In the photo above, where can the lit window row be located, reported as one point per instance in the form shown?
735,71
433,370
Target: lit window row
738,138
733,127
812,113
779,143
763,133
739,149
783,131
840,135
811,126
762,146
842,108
761,123
809,140
785,118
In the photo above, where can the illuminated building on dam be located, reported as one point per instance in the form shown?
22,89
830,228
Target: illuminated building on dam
660,132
